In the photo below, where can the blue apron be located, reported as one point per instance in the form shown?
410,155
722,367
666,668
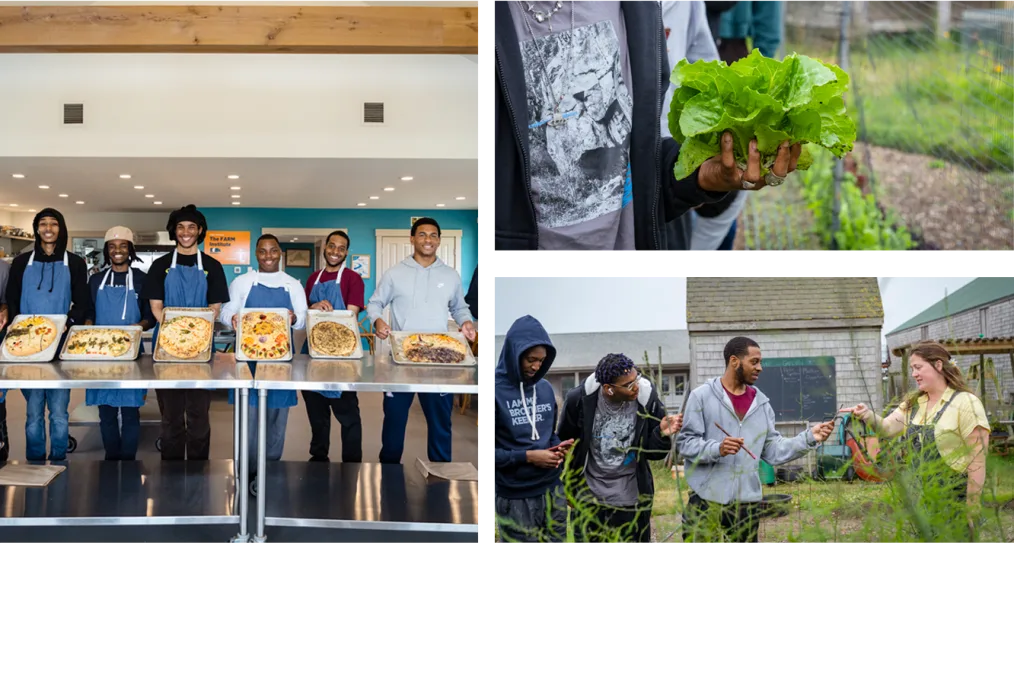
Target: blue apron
265,296
116,306
185,286
332,293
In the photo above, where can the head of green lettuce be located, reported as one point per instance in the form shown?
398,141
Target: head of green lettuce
800,100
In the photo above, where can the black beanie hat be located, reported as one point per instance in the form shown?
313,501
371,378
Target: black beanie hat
187,213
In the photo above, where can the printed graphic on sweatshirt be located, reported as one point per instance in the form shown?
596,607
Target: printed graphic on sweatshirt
516,410
579,167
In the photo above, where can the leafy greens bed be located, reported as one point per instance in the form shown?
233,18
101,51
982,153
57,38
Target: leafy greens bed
799,99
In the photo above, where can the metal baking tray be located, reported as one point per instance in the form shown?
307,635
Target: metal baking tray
399,358
106,369
344,371
135,344
345,317
239,332
168,313
49,352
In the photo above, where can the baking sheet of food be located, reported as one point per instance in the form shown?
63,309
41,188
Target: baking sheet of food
283,313
78,332
168,314
343,317
59,321
398,356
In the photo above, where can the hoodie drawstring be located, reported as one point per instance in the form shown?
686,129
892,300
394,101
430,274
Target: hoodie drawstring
530,416
52,276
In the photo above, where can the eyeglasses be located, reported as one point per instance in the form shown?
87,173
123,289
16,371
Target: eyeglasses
632,385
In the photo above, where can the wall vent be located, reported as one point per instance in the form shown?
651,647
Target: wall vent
73,113
373,113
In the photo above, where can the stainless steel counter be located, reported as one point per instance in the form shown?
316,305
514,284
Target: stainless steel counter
372,373
222,372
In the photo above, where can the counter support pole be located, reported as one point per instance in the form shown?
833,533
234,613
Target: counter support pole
262,453
243,489
235,441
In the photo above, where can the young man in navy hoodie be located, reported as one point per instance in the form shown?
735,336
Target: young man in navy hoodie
530,506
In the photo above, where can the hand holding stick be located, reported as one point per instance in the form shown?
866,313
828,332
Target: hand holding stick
754,457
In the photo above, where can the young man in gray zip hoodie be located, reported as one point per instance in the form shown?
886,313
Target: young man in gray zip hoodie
723,470
420,291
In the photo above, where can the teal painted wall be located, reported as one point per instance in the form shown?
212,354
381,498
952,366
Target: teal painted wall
302,274
360,224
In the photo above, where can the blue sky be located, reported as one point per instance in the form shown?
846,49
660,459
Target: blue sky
578,305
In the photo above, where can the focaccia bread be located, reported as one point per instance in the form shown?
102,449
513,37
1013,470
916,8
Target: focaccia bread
433,348
333,339
185,337
30,336
100,342
265,335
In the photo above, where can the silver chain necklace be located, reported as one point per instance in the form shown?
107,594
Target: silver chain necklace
558,119
544,16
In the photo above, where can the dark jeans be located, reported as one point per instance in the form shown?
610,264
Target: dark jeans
120,443
5,441
346,411
186,431
605,523
529,519
705,521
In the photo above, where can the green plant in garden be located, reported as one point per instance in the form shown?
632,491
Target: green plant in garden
799,100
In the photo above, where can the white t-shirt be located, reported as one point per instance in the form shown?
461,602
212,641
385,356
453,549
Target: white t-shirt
240,289
689,37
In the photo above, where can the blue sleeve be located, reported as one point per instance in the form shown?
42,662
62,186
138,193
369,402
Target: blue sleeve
510,458
767,27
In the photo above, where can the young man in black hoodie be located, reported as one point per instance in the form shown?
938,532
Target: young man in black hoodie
620,424
48,280
530,506
580,158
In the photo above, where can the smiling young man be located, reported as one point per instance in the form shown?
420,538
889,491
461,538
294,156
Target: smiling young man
116,302
267,287
185,278
335,287
420,291
722,470
48,280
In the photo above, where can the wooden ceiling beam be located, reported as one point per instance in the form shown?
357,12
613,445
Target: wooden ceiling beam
240,29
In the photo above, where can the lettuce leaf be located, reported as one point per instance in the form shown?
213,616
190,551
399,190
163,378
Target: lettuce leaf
799,99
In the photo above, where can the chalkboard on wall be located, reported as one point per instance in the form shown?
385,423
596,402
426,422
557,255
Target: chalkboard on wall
800,388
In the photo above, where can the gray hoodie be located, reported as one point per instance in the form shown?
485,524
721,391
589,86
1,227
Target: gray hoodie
732,478
420,298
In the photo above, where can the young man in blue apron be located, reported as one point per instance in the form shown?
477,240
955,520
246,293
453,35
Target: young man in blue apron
190,279
267,287
335,287
116,302
420,291
52,281
5,271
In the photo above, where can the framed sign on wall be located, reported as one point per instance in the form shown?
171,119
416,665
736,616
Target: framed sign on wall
361,265
228,247
298,258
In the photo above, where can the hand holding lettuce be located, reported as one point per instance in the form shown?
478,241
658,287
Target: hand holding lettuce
798,101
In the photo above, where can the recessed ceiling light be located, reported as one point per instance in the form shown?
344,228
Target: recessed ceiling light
235,187
232,177
406,178
156,203
388,189
459,198
361,204
295,239
138,187
43,187
374,197
64,195
235,204
13,205
18,175
124,175
149,196
235,197
79,202
440,205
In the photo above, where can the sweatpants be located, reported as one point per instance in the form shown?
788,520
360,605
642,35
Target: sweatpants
186,430
542,518
436,407
346,411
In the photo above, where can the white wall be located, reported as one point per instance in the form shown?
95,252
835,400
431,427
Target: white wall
239,105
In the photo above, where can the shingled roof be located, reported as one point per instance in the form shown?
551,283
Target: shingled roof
759,303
